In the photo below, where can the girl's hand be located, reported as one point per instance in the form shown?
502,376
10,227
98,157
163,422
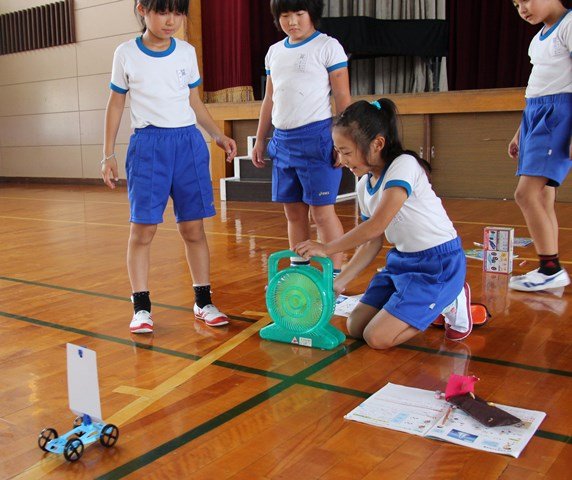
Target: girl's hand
513,147
310,248
339,286
258,155
109,172
228,145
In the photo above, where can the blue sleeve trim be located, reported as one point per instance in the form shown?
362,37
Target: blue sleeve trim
363,217
196,84
398,183
117,89
267,72
337,66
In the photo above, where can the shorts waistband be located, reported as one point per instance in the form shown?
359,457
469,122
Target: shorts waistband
153,130
550,99
447,247
308,129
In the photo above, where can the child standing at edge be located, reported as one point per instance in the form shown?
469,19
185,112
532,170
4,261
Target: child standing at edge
167,155
543,142
425,271
301,71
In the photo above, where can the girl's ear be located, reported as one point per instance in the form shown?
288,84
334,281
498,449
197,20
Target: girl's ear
378,143
140,9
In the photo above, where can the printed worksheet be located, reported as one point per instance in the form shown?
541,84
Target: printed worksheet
345,305
419,412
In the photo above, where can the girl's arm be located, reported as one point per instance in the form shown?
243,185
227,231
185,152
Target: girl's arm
113,113
340,84
365,254
391,202
206,121
264,124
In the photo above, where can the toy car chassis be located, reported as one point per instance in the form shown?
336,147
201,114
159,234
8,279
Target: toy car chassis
73,443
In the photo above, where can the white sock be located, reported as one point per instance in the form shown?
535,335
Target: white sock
457,317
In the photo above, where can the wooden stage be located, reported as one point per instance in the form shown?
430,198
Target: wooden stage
201,403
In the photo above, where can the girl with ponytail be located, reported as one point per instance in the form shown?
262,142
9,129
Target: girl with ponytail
425,270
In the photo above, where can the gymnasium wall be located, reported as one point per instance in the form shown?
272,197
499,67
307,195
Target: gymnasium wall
52,101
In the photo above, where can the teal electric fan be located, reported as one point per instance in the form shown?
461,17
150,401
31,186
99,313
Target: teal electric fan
300,301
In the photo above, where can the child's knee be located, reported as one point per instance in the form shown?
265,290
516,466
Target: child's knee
142,235
377,340
192,233
323,215
354,329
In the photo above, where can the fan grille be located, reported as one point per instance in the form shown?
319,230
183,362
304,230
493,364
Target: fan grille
295,302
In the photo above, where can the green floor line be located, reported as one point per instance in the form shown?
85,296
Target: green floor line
286,381
206,427
110,297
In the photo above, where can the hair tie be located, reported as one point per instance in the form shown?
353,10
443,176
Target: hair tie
376,104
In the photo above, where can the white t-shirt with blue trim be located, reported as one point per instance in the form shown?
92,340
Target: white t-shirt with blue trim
158,82
422,221
300,78
551,57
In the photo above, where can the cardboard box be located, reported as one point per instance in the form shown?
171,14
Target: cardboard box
498,244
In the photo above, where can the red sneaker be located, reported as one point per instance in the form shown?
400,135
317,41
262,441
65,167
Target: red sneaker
463,307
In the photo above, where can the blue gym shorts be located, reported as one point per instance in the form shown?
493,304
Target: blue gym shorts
168,162
302,165
416,287
544,146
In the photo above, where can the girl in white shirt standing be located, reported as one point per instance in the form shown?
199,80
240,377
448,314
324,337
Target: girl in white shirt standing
425,271
167,155
302,71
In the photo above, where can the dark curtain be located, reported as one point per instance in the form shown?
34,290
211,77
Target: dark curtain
488,45
263,34
226,44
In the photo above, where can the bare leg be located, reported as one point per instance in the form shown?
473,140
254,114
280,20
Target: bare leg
329,228
196,250
298,222
531,197
379,329
549,200
139,254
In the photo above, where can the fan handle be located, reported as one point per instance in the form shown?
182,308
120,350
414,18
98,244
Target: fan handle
325,263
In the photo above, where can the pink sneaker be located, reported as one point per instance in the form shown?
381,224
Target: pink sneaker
141,322
462,308
211,315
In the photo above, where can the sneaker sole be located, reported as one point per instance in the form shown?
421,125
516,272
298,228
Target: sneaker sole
142,329
219,323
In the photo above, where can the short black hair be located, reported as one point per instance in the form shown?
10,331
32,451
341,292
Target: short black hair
313,7
178,6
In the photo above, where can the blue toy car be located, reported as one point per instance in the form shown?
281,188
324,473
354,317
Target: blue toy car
73,443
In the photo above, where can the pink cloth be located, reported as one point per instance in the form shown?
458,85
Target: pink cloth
459,385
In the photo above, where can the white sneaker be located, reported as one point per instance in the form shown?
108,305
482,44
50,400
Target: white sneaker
535,281
141,322
211,315
459,318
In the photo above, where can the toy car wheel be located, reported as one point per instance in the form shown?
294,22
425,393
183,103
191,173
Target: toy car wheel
46,436
109,435
73,450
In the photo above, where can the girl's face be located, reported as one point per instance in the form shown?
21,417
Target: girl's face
352,157
297,25
161,25
540,11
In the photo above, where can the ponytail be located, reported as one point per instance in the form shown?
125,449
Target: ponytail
364,121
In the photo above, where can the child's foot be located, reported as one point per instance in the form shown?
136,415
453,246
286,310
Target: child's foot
211,315
535,281
141,322
459,319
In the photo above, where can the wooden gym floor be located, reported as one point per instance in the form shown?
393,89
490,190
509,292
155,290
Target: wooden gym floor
202,403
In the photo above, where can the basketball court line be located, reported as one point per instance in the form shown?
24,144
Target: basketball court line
252,210
49,464
146,398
